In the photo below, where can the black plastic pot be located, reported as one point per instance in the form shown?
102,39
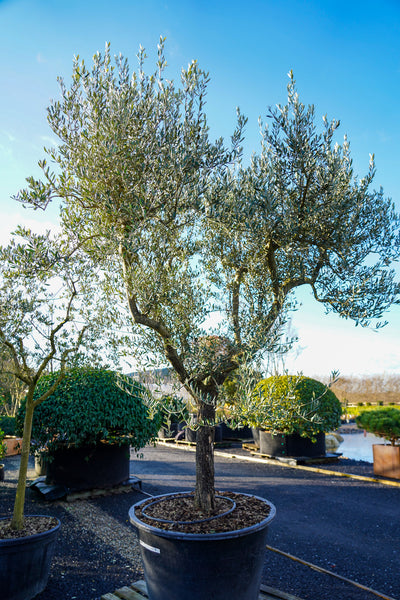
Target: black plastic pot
191,434
25,564
1,472
291,445
256,436
88,467
221,566
165,433
233,434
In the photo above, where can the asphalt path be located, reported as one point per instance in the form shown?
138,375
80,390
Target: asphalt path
346,526
349,527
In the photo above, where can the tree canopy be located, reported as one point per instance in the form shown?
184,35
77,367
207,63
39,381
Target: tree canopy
185,231
39,291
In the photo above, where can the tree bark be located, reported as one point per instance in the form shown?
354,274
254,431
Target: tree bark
17,521
204,491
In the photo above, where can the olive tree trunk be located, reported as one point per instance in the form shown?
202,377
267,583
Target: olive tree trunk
17,521
204,491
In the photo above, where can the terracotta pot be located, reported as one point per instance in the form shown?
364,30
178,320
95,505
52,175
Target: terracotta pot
386,460
14,445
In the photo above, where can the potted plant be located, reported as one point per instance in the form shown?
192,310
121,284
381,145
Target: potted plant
292,413
83,431
12,442
174,414
35,329
208,253
385,423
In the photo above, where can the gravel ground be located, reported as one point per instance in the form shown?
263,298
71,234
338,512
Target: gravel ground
349,527
97,550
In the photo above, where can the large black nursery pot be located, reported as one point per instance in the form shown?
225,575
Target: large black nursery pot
191,434
88,467
291,445
221,566
25,564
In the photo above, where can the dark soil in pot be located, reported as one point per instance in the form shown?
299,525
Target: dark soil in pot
25,558
32,526
239,510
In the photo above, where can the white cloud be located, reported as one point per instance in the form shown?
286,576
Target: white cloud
348,349
8,224
5,151
49,140
40,58
9,136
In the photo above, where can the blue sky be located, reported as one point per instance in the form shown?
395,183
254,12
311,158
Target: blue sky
346,60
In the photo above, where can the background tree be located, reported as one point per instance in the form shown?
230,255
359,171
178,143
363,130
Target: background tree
187,236
373,389
12,389
39,293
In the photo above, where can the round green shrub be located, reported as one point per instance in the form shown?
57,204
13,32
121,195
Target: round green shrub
288,404
7,424
383,422
88,407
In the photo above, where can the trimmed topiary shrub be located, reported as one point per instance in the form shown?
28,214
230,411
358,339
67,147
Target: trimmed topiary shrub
88,407
293,404
383,422
7,424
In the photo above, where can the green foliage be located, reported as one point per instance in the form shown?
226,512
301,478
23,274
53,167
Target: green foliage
288,404
383,422
3,447
355,411
39,285
7,424
89,406
182,229
173,409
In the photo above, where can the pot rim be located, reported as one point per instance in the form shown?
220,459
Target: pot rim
140,525
33,537
388,444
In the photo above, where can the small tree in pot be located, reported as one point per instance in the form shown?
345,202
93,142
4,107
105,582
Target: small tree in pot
385,423
36,327
294,406
84,429
181,233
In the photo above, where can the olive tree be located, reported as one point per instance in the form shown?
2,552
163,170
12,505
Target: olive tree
39,290
299,216
12,390
185,232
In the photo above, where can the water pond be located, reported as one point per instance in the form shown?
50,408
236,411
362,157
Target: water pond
358,446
